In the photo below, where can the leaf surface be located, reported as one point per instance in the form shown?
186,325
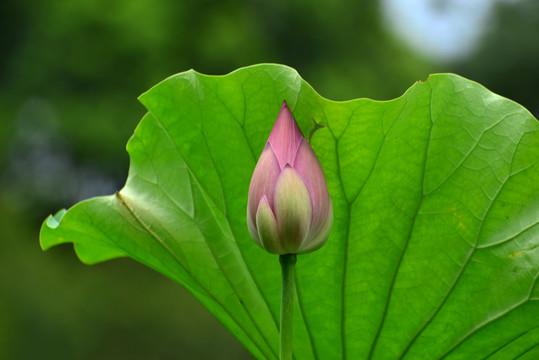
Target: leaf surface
434,249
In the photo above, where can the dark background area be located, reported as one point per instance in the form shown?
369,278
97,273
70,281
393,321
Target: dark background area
70,73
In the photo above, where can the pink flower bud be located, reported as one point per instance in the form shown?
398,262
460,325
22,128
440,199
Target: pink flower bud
289,209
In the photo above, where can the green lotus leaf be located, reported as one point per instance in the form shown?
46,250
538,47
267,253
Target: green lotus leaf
434,249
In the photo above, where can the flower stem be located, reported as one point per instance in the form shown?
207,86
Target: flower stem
287,305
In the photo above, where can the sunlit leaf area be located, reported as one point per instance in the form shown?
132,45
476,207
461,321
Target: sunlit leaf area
433,251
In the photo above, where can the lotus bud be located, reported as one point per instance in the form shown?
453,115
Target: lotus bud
289,210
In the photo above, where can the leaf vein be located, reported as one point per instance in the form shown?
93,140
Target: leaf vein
513,339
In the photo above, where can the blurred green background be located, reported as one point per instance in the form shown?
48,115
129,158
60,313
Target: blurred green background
70,73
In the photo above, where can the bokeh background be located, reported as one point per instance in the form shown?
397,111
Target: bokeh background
70,73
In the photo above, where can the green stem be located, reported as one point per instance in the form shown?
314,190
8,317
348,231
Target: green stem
287,305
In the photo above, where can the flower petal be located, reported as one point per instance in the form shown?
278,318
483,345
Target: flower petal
263,182
267,228
314,243
310,171
293,209
285,137
252,228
